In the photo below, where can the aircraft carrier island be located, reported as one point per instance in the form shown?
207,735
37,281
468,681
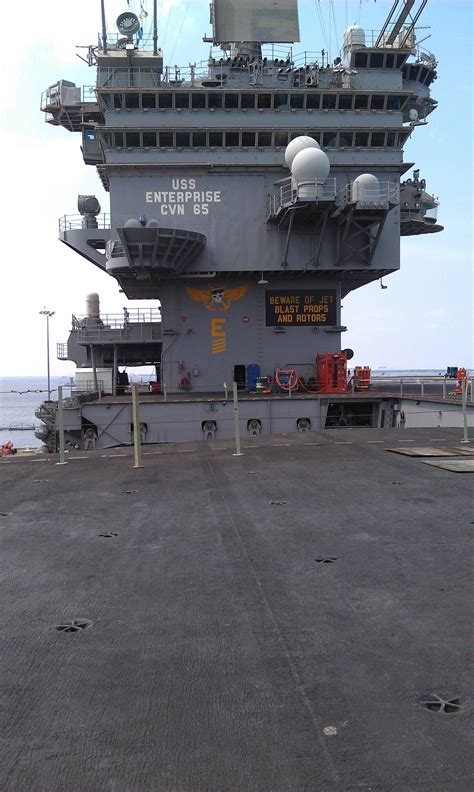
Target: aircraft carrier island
248,195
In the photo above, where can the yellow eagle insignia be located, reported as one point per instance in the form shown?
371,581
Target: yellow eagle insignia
217,299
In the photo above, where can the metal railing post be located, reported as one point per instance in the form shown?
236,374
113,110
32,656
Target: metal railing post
444,389
61,426
236,421
464,386
422,387
401,386
136,427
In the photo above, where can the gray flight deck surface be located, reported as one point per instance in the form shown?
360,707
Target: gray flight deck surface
223,655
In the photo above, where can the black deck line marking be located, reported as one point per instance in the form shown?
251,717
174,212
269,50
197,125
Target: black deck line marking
292,667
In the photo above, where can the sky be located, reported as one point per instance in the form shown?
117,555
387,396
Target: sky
422,320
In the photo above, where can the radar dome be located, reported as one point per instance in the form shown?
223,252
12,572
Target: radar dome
298,144
132,223
354,36
92,305
365,187
152,223
310,164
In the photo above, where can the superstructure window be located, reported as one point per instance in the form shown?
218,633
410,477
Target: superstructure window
247,101
265,139
231,101
296,101
329,101
199,140
107,139
281,139
118,101
312,101
361,102
330,139
149,139
377,102
118,139
248,139
132,139
345,102
400,61
198,101
166,140
215,139
378,139
214,101
345,139
360,60
376,60
181,101
280,101
132,101
389,60
361,139
165,101
315,135
232,139
264,101
395,102
149,101
391,137
182,139
402,138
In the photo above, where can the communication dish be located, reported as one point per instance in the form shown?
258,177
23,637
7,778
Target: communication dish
348,352
128,23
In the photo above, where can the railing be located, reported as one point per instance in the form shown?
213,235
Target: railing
51,99
129,317
61,351
367,196
309,191
74,222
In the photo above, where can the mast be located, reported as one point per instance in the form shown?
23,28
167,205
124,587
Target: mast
155,28
104,29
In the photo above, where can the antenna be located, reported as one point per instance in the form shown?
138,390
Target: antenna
128,24
155,28
104,29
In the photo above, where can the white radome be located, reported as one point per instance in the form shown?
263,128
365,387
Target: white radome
365,187
298,144
310,164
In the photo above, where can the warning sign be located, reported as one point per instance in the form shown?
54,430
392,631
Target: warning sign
300,308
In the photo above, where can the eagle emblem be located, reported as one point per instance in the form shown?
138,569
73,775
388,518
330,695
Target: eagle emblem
217,299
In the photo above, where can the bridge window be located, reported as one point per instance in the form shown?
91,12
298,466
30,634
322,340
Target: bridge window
232,139
132,101
376,60
345,102
378,139
361,102
199,140
264,101
247,101
149,101
345,139
395,102
248,139
181,101
377,102
360,60
198,101
165,101
329,101
402,138
265,139
166,139
118,101
315,135
330,139
182,139
214,101
231,101
312,101
389,60
297,101
149,139
361,139
391,136
107,139
132,139
280,101
118,139
281,139
215,139
400,61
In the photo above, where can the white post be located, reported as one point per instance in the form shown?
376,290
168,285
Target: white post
236,421
61,426
136,427
464,386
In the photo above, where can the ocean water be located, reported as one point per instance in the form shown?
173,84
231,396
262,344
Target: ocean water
21,396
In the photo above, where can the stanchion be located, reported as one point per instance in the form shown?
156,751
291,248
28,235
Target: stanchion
236,421
464,387
60,420
136,427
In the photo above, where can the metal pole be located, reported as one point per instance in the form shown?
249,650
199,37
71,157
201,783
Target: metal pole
47,356
422,387
136,427
401,386
236,421
464,409
104,28
61,426
155,28
114,373
94,369
444,389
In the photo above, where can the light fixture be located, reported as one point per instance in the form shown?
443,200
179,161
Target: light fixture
262,281
48,314
382,284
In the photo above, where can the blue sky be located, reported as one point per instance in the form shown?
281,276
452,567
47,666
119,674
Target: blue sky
422,320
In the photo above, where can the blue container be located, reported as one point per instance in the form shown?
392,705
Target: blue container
253,371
